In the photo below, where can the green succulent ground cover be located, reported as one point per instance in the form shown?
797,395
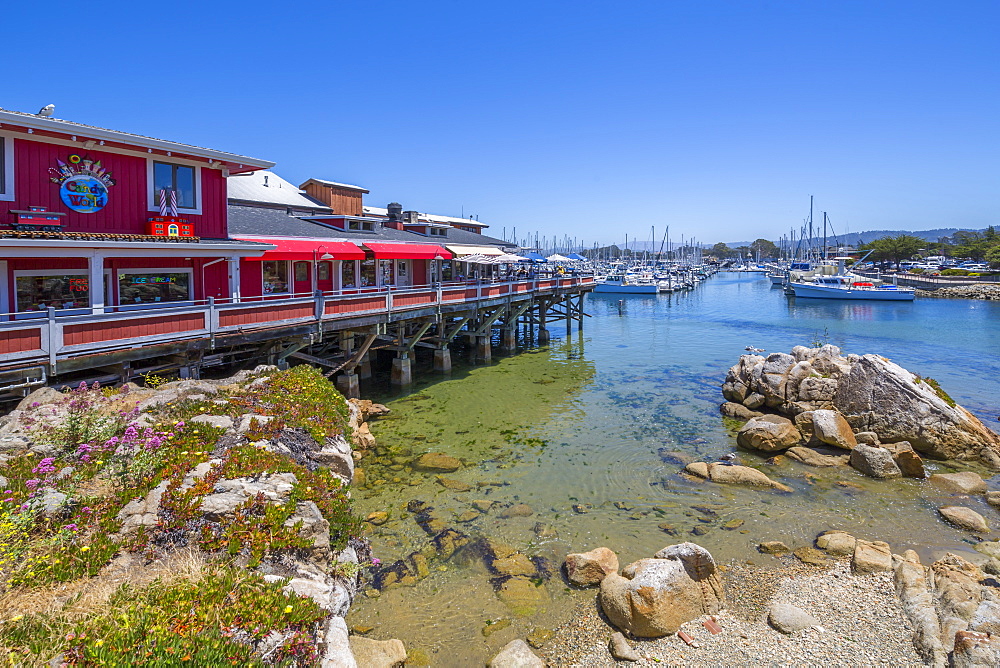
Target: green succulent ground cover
102,462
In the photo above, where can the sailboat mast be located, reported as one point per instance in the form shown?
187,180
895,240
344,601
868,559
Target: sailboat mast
824,236
810,224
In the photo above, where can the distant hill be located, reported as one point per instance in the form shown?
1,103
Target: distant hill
855,238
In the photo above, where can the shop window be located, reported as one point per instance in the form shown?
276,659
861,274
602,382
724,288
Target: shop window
367,273
385,269
360,226
59,291
439,232
347,271
153,287
275,277
323,271
183,179
446,271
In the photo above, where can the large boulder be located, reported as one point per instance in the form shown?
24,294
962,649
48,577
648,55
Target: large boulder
653,597
768,433
871,557
880,396
831,428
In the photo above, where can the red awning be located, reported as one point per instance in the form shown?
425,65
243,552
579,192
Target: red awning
292,248
407,251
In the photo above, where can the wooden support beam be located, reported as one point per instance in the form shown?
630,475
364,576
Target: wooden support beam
416,337
359,352
313,359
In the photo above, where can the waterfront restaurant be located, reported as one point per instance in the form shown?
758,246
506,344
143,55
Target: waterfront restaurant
100,220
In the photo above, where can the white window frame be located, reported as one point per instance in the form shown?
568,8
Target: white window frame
288,272
154,197
153,270
24,315
7,155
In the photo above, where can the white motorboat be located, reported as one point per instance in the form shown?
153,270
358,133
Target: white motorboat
625,284
844,285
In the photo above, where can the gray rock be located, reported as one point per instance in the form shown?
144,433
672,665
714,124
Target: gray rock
832,428
14,443
875,462
621,650
142,512
41,396
220,421
246,420
217,507
337,648
910,580
516,654
975,649
965,482
754,401
789,619
965,518
867,437
337,456
993,498
3,483
885,398
51,504
315,528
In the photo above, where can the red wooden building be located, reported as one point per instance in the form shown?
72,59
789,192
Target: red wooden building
82,224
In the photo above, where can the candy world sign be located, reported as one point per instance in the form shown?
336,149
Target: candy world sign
83,183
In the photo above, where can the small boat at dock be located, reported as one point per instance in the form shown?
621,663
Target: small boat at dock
844,285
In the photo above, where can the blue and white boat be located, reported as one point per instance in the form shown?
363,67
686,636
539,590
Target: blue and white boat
844,285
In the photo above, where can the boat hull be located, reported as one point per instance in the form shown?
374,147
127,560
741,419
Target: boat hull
854,294
627,289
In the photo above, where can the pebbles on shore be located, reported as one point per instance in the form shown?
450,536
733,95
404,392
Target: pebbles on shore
860,623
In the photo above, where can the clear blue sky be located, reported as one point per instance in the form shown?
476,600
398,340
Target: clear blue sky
590,119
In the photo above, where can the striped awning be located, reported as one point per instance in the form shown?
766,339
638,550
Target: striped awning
462,251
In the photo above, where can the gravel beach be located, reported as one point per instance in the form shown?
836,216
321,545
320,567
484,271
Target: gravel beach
860,623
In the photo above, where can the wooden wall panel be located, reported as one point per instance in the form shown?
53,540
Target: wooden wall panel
113,330
20,340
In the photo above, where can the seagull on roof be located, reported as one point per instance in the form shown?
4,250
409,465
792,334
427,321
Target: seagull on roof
47,110
754,350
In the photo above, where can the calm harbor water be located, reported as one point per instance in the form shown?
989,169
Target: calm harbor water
603,421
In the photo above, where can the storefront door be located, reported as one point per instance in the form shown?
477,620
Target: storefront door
303,278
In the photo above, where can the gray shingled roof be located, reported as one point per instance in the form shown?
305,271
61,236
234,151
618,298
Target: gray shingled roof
260,221
251,188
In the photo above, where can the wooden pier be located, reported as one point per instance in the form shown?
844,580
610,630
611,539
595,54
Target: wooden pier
337,332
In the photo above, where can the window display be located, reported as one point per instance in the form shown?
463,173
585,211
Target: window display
275,277
347,277
385,268
63,291
367,273
152,288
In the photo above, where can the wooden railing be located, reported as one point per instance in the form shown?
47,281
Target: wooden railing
49,336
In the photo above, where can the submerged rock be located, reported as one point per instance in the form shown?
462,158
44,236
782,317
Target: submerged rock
810,457
436,462
965,518
965,482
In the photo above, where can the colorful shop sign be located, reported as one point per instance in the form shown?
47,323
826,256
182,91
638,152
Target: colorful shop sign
83,183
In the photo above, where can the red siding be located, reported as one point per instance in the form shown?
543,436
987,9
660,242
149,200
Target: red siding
112,330
126,211
355,305
264,314
20,340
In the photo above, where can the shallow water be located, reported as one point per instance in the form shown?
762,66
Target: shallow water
605,420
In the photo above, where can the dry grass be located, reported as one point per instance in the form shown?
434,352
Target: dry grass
81,598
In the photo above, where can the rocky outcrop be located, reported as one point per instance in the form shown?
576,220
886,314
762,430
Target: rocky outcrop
870,393
653,597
